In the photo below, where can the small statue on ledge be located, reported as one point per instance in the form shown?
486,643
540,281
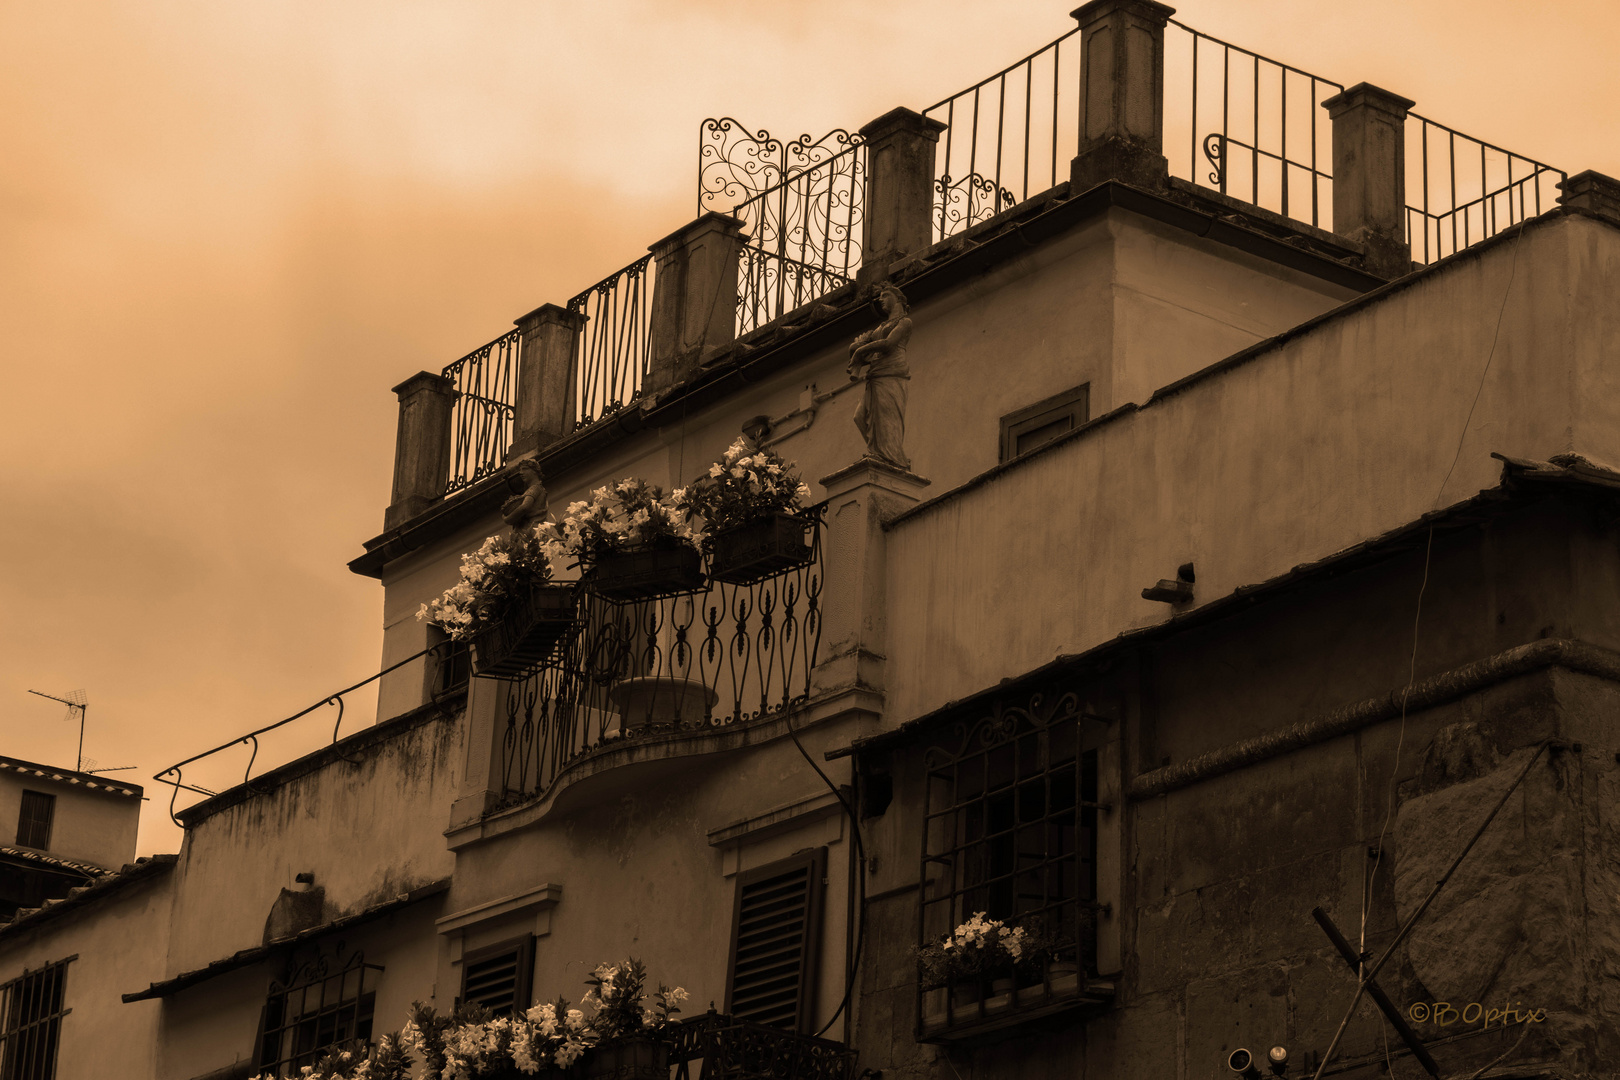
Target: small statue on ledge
879,357
528,506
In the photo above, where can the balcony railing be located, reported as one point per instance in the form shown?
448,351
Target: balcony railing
1467,190
481,419
611,345
683,663
717,1047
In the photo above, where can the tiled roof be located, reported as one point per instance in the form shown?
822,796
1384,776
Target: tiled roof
107,883
51,860
89,781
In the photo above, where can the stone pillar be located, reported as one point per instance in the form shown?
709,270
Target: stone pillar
1592,191
545,384
1369,175
860,498
694,304
422,445
483,779
899,189
1122,74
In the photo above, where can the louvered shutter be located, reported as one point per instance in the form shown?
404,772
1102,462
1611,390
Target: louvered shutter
775,940
498,977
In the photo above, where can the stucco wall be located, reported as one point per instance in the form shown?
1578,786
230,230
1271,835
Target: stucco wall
1336,434
88,826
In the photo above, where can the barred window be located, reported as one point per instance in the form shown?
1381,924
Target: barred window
34,823
498,977
31,1013
1011,831
320,1007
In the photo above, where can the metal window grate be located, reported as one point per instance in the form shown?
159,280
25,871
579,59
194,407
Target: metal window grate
499,977
31,1014
319,1010
34,823
774,942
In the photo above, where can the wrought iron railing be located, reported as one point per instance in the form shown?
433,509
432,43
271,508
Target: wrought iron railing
611,345
1467,190
481,419
685,662
1007,137
717,1047
736,165
1253,128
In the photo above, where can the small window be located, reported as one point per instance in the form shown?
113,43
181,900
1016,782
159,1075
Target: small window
34,824
449,666
1039,424
775,942
498,977
31,1013
320,1009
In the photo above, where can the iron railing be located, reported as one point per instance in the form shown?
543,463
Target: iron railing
736,165
611,344
1257,123
482,417
727,655
724,1048
1007,137
1467,189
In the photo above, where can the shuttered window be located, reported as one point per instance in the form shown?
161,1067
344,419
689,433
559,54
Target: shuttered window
34,823
498,977
775,942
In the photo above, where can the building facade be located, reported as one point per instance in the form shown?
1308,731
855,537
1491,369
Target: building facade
1250,544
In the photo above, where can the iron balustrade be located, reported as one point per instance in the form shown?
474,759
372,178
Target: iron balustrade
1006,136
736,165
481,419
731,1049
1459,206
1259,141
612,342
682,663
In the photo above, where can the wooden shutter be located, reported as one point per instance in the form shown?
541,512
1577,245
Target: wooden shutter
34,823
775,942
498,977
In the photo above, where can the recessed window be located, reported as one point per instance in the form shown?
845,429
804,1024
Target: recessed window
775,941
451,665
320,1009
34,823
1040,423
32,1008
498,977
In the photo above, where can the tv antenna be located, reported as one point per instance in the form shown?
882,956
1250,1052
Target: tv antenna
78,703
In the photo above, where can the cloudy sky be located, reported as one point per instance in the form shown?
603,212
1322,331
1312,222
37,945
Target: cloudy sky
227,228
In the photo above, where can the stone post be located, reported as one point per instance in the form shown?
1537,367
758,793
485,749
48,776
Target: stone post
1369,175
899,189
1122,74
422,445
483,779
860,498
1592,191
694,304
545,384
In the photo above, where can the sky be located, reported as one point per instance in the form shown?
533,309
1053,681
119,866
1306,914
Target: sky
228,228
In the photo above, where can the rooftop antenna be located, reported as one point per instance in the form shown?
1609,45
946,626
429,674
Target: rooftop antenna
78,702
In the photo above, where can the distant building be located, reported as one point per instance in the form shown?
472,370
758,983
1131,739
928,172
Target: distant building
64,829
1250,540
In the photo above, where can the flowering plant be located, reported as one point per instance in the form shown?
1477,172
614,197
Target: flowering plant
504,567
980,947
388,1060
618,517
743,485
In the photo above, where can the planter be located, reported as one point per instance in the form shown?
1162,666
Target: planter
527,635
649,700
647,572
1001,986
759,549
964,994
628,1059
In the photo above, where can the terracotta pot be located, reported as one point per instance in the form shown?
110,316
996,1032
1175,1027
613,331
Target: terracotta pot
644,573
660,700
529,633
758,549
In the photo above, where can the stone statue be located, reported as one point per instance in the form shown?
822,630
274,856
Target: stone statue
879,357
528,506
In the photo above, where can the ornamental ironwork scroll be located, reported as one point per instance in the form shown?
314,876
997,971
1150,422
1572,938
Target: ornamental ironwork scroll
732,1049
736,164
962,204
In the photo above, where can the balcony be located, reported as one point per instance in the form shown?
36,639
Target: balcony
717,1047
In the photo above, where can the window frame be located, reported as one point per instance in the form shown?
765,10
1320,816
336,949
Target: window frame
47,824
38,1066
814,862
523,983
1074,403
280,1059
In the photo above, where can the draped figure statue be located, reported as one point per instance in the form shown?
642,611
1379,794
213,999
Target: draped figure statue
879,357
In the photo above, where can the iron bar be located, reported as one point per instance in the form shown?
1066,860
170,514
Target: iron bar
611,343
485,381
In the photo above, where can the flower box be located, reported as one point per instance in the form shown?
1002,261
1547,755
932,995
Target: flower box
758,549
627,1059
642,573
527,634
661,701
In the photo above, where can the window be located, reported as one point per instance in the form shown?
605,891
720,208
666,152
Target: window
498,977
1026,429
322,1007
31,1012
449,667
775,942
1011,830
34,823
